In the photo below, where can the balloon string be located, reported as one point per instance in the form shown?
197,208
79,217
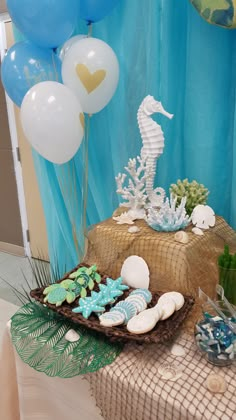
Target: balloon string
90,29
54,66
85,176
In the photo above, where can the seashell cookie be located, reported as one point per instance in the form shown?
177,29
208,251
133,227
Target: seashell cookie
155,312
145,293
127,308
175,296
112,319
138,301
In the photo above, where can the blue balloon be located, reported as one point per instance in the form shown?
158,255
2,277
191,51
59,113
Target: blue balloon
95,10
25,65
47,23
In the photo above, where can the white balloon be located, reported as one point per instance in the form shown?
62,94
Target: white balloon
66,46
90,68
52,120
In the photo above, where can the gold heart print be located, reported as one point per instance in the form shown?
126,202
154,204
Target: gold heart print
90,80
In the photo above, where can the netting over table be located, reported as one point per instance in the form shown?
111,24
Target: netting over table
172,265
133,389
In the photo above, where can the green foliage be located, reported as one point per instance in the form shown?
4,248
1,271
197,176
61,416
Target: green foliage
196,193
227,260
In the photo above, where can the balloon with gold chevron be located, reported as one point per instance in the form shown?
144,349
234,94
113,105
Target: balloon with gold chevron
217,12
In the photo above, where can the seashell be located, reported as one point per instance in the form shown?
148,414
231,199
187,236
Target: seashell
135,272
124,218
216,383
181,237
197,231
72,336
133,229
203,217
177,350
169,372
137,213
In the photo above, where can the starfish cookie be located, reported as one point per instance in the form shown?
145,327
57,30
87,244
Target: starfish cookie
88,305
116,285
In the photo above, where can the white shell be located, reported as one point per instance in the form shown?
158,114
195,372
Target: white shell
203,216
197,231
177,350
72,336
181,237
216,383
141,324
169,372
124,218
133,229
137,214
135,272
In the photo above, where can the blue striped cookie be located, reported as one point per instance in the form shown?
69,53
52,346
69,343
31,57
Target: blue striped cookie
145,293
127,308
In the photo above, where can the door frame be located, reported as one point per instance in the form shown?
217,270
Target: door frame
15,145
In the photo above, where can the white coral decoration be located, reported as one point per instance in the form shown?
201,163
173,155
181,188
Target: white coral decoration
135,193
203,217
169,217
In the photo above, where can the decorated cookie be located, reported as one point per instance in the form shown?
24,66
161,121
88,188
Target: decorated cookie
167,306
116,285
175,296
156,312
85,277
145,293
56,295
138,301
135,272
141,324
108,295
127,308
88,305
112,318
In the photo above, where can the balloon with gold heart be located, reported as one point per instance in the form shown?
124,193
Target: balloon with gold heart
217,12
90,68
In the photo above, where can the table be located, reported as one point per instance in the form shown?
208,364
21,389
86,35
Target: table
129,388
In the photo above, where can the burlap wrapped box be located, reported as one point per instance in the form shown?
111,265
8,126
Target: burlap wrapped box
172,265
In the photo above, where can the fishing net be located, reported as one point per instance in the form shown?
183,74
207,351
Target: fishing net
38,335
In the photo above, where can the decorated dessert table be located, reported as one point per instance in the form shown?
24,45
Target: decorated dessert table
145,382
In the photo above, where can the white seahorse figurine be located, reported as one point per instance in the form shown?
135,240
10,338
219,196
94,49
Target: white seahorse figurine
153,144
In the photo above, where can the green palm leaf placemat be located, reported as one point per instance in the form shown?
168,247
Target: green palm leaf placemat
38,335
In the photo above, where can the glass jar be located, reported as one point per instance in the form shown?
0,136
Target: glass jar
214,337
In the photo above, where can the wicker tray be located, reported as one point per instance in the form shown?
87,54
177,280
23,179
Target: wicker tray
162,332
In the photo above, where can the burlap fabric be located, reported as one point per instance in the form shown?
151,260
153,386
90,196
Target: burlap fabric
133,389
172,265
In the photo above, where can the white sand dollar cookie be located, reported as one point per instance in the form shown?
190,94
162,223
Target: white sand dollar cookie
156,312
175,296
141,324
167,306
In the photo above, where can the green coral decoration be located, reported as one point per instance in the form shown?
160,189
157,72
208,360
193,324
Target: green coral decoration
194,192
39,336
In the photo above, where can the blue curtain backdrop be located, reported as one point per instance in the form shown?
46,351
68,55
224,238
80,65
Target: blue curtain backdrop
167,50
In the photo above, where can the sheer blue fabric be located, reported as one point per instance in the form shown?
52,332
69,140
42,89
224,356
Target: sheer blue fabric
170,52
